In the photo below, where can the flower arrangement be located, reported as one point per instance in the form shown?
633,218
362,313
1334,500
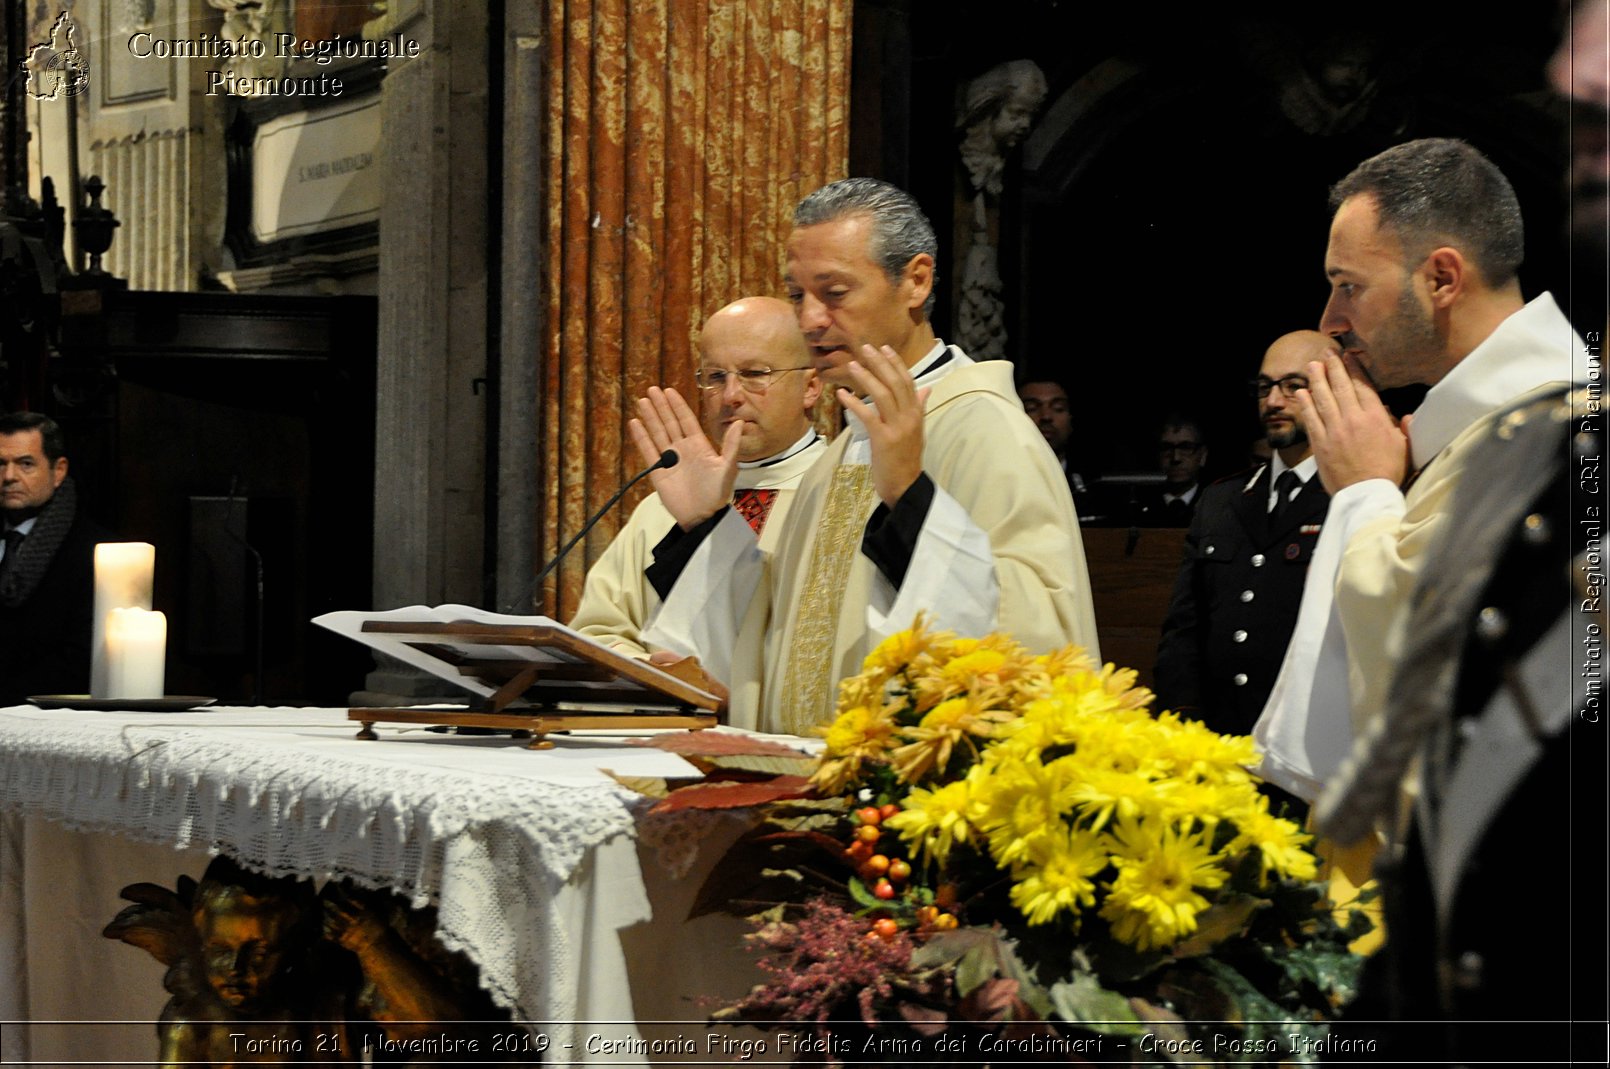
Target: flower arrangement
1002,840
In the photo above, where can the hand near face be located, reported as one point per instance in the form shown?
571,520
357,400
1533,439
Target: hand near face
893,418
700,484
1353,435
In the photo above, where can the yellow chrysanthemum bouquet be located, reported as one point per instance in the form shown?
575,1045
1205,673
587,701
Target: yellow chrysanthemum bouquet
1025,841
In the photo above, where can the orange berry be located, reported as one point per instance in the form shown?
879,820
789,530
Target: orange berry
945,922
886,927
888,810
878,863
869,815
899,869
945,896
883,889
868,833
926,915
858,851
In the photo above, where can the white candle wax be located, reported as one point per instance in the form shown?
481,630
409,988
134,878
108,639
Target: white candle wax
136,647
123,576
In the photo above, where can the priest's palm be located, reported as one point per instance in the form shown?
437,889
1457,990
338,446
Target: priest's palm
700,484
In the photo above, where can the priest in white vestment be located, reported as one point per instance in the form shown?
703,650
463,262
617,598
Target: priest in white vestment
1422,257
754,374
939,497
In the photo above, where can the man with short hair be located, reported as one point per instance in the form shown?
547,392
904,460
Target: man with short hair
47,564
1246,554
754,375
1046,403
1423,252
1181,456
939,497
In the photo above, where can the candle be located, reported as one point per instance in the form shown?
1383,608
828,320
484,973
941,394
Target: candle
123,574
136,646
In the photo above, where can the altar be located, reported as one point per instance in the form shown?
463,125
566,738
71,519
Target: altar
538,862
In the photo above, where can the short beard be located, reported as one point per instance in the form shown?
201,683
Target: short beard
1295,435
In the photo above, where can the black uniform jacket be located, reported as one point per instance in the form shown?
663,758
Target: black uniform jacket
1236,599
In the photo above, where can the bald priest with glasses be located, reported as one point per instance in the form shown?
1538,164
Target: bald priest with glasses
754,370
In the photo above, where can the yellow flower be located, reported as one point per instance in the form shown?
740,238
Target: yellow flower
855,736
1154,899
860,731
933,821
1021,802
1281,844
941,729
1058,877
901,648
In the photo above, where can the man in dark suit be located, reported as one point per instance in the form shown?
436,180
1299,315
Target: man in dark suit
1046,403
47,564
1246,554
1181,456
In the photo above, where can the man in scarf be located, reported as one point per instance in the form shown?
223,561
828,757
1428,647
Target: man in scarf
46,564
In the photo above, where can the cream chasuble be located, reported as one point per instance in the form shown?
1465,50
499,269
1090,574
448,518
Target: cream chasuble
999,549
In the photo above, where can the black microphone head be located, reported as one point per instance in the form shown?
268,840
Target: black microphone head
668,459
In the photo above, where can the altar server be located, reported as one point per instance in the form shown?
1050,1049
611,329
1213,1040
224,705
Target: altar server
1422,260
756,377
940,496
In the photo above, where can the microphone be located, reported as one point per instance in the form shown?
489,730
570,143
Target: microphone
667,459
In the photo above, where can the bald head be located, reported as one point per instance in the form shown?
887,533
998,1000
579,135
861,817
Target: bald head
1285,364
749,335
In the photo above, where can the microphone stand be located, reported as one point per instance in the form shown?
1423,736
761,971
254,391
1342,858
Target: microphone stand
667,459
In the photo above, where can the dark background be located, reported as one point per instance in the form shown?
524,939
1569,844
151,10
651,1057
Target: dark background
1179,226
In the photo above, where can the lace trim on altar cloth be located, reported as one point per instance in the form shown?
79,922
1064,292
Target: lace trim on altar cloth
487,850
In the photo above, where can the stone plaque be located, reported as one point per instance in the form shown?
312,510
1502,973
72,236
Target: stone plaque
316,171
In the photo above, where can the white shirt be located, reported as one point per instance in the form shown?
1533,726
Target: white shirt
1306,469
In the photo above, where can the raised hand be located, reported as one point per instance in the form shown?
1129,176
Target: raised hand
1354,436
700,484
893,418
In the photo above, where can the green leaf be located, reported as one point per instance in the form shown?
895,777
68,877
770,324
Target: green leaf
1333,971
1082,1000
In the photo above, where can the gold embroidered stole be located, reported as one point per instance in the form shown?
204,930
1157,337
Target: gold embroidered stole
808,674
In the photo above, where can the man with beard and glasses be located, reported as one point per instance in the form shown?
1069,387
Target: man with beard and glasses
1246,554
1422,259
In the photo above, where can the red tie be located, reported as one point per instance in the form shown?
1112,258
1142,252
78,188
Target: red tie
754,505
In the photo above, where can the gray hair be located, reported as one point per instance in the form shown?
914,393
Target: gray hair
1440,191
899,229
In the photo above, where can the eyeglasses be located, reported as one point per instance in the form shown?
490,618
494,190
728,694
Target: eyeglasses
1289,385
751,379
1178,447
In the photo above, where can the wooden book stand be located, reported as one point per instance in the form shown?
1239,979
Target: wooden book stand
549,688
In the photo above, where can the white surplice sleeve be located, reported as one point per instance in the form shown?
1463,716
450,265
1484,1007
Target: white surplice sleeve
951,575
1306,729
701,615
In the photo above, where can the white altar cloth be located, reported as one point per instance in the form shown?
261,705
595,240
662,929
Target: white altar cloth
528,855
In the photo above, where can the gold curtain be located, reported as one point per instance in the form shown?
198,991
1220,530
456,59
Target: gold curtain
680,135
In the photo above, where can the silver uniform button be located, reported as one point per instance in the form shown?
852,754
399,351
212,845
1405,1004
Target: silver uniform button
1240,679
1208,550
1246,595
1257,560
1239,636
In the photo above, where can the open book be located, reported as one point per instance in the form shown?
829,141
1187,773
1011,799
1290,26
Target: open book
517,661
